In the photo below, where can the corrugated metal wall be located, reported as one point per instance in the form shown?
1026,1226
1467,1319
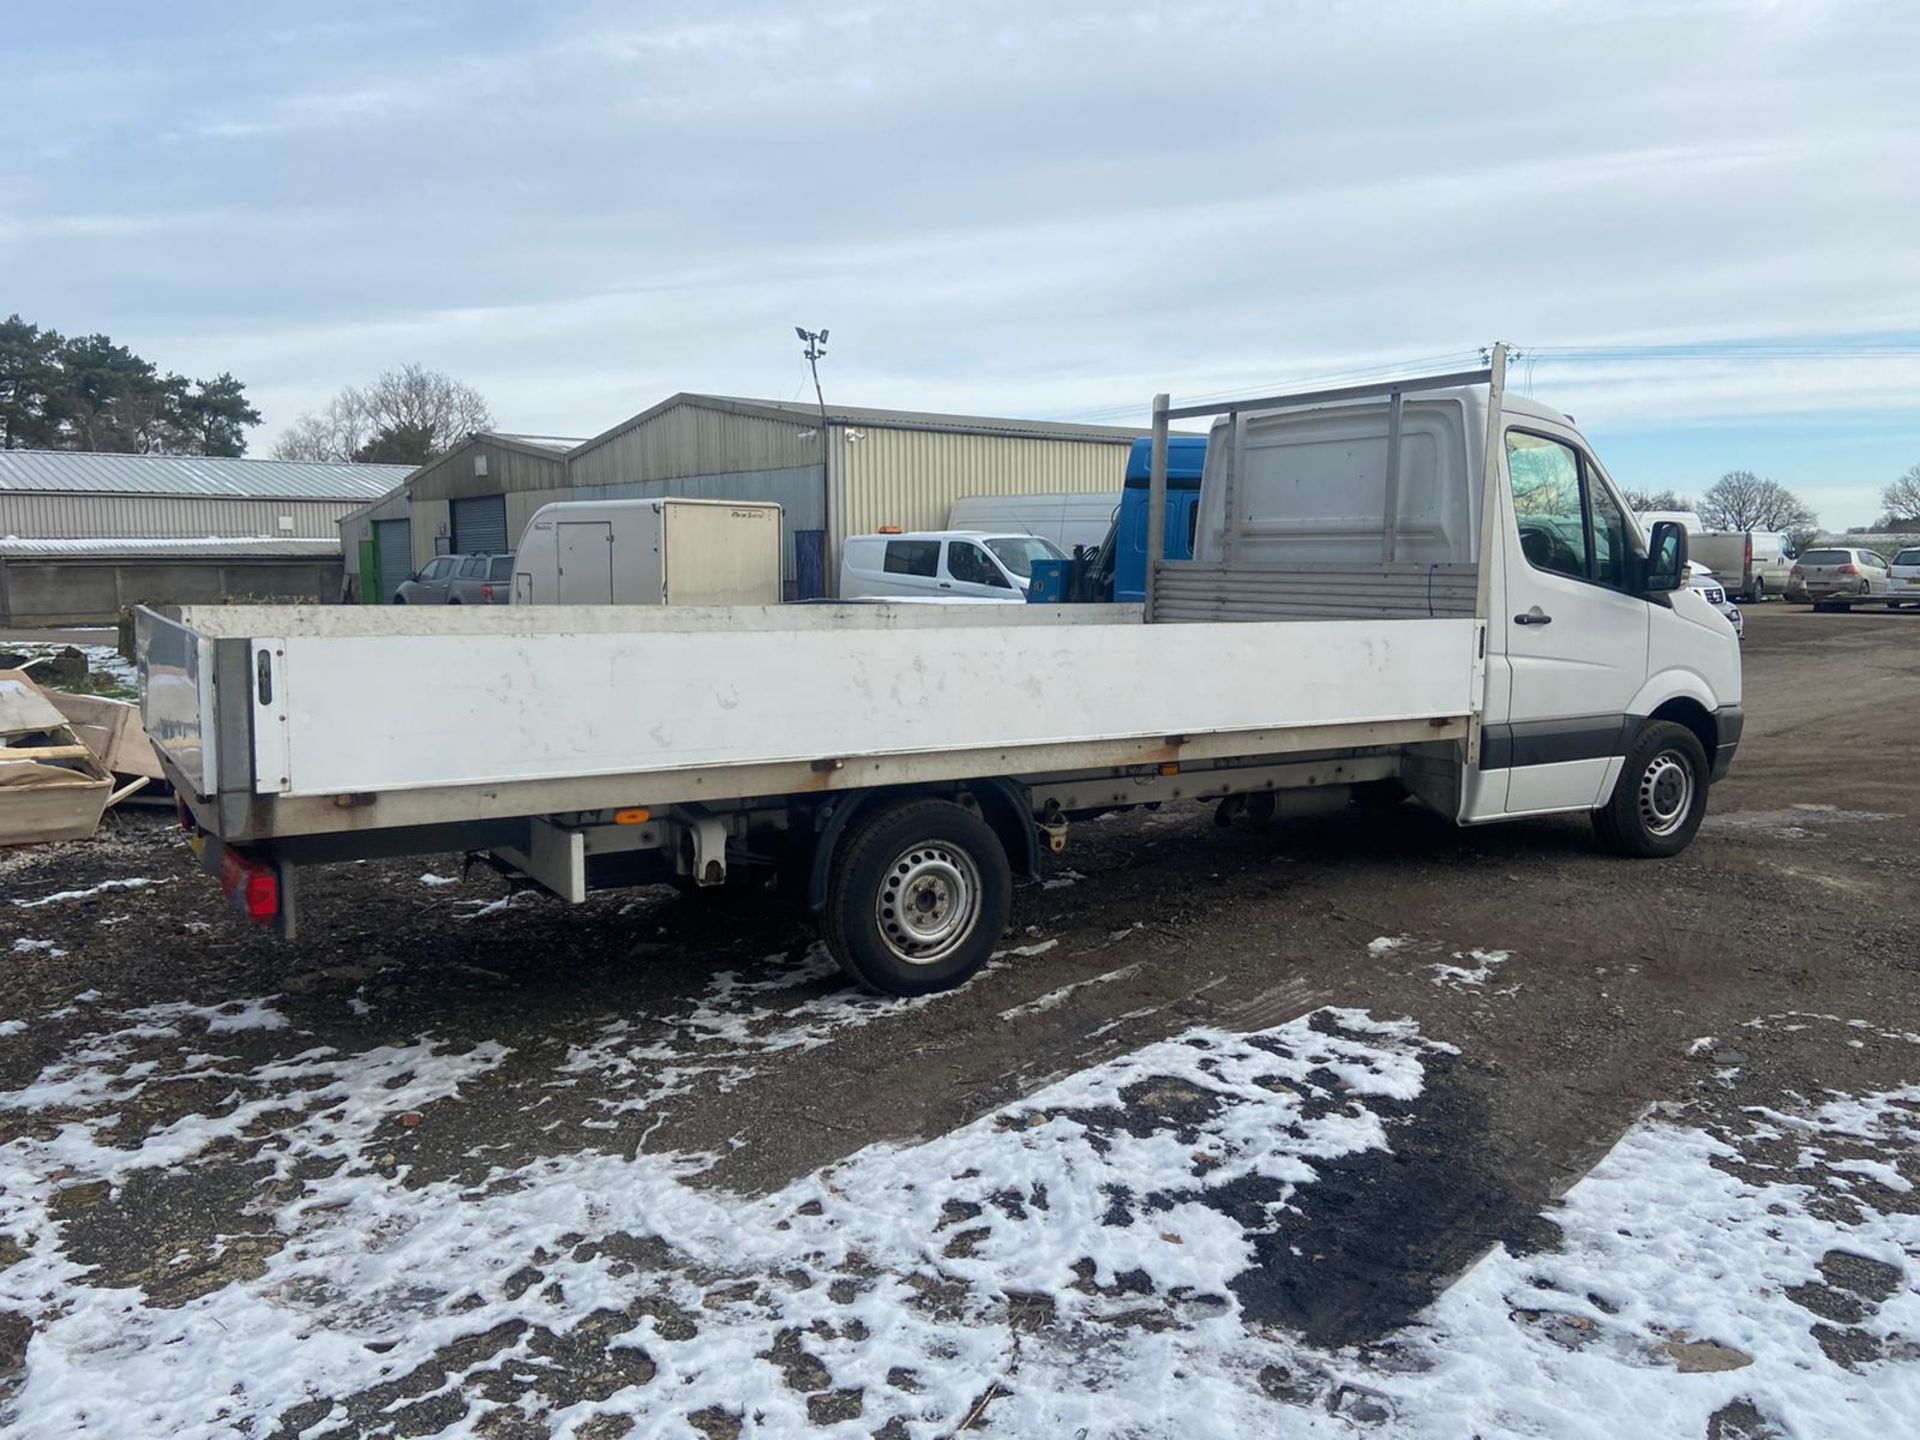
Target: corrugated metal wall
690,441
911,478
452,476
50,516
520,507
432,530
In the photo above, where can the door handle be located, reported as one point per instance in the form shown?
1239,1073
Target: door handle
1535,616
946,585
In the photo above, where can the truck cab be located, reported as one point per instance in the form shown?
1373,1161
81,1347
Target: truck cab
1379,509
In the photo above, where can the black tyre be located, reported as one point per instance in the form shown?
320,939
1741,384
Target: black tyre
1759,591
919,896
1661,796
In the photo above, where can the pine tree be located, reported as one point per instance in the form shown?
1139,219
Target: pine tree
29,373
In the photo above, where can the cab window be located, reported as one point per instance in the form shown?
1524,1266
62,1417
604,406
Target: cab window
967,562
1568,520
1609,533
1545,476
438,569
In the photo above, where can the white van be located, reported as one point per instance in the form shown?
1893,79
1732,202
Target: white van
650,552
1753,563
941,565
1066,520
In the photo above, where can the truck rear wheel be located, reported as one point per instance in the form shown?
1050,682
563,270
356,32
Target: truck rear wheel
1661,795
920,891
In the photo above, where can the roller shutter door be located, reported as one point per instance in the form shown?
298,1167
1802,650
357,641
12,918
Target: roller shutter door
480,525
395,541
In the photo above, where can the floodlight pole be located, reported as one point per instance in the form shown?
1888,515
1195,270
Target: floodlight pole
816,343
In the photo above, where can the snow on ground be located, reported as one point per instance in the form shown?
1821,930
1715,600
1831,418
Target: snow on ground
903,1274
1069,1260
1679,1259
1485,962
138,882
729,1033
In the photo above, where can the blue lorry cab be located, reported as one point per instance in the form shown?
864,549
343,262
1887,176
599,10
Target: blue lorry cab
1186,458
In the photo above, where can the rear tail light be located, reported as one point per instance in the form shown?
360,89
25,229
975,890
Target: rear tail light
1796,573
486,593
1849,569
252,885
1749,560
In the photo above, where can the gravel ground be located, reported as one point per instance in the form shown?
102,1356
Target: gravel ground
619,1106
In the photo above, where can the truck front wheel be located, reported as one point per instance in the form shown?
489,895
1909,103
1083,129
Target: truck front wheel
919,893
1661,796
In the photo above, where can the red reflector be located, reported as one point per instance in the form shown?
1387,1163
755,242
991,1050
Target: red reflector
251,885
486,593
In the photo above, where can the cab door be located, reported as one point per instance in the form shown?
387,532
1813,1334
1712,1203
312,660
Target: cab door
1575,638
971,571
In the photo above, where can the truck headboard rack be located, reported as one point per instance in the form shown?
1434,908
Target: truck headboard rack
1392,588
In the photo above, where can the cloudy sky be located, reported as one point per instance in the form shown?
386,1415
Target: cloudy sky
1702,221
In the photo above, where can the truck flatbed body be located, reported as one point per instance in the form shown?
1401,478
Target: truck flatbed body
320,719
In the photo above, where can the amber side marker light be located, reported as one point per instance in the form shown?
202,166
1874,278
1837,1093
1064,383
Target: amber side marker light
632,817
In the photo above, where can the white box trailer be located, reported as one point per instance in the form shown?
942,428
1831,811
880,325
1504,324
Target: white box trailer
650,552
1372,608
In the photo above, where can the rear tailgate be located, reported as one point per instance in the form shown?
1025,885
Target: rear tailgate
1905,574
177,699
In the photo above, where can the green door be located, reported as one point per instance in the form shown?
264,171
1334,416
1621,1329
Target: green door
369,572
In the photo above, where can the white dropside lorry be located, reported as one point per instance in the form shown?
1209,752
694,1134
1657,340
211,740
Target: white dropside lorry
1425,586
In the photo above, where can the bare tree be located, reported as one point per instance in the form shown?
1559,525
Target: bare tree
1641,501
408,415
1902,499
1741,500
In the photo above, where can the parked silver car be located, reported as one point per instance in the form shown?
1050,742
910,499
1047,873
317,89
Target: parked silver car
1839,577
1904,576
459,580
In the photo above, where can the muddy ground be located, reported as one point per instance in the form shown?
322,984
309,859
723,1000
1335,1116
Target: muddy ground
639,1024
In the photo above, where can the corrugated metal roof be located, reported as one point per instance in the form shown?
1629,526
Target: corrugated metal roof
559,444
926,419
11,547
802,413
92,472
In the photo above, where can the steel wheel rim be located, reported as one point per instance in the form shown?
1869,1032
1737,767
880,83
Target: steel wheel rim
1666,793
929,902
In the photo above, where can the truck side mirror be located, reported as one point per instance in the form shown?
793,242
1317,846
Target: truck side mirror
1666,557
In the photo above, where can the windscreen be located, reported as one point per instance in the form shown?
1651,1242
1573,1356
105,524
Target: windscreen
1018,552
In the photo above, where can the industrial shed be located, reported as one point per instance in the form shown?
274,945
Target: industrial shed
88,582
85,532
85,495
872,468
